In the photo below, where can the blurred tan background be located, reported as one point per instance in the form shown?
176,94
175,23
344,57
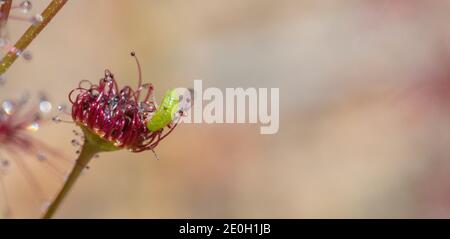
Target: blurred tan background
364,96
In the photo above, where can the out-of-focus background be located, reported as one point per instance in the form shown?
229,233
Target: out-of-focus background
364,107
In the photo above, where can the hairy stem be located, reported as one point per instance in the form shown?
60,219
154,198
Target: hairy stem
31,33
88,150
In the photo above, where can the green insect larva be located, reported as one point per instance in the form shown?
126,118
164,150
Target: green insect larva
166,112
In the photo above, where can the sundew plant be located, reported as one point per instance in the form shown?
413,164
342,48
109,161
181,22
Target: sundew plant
111,117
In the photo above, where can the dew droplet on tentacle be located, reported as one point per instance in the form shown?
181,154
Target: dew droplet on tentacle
45,106
37,19
8,107
25,6
56,119
33,126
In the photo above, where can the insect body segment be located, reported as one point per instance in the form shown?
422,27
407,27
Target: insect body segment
166,112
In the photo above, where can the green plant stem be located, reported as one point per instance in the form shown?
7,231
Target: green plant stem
31,33
88,150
